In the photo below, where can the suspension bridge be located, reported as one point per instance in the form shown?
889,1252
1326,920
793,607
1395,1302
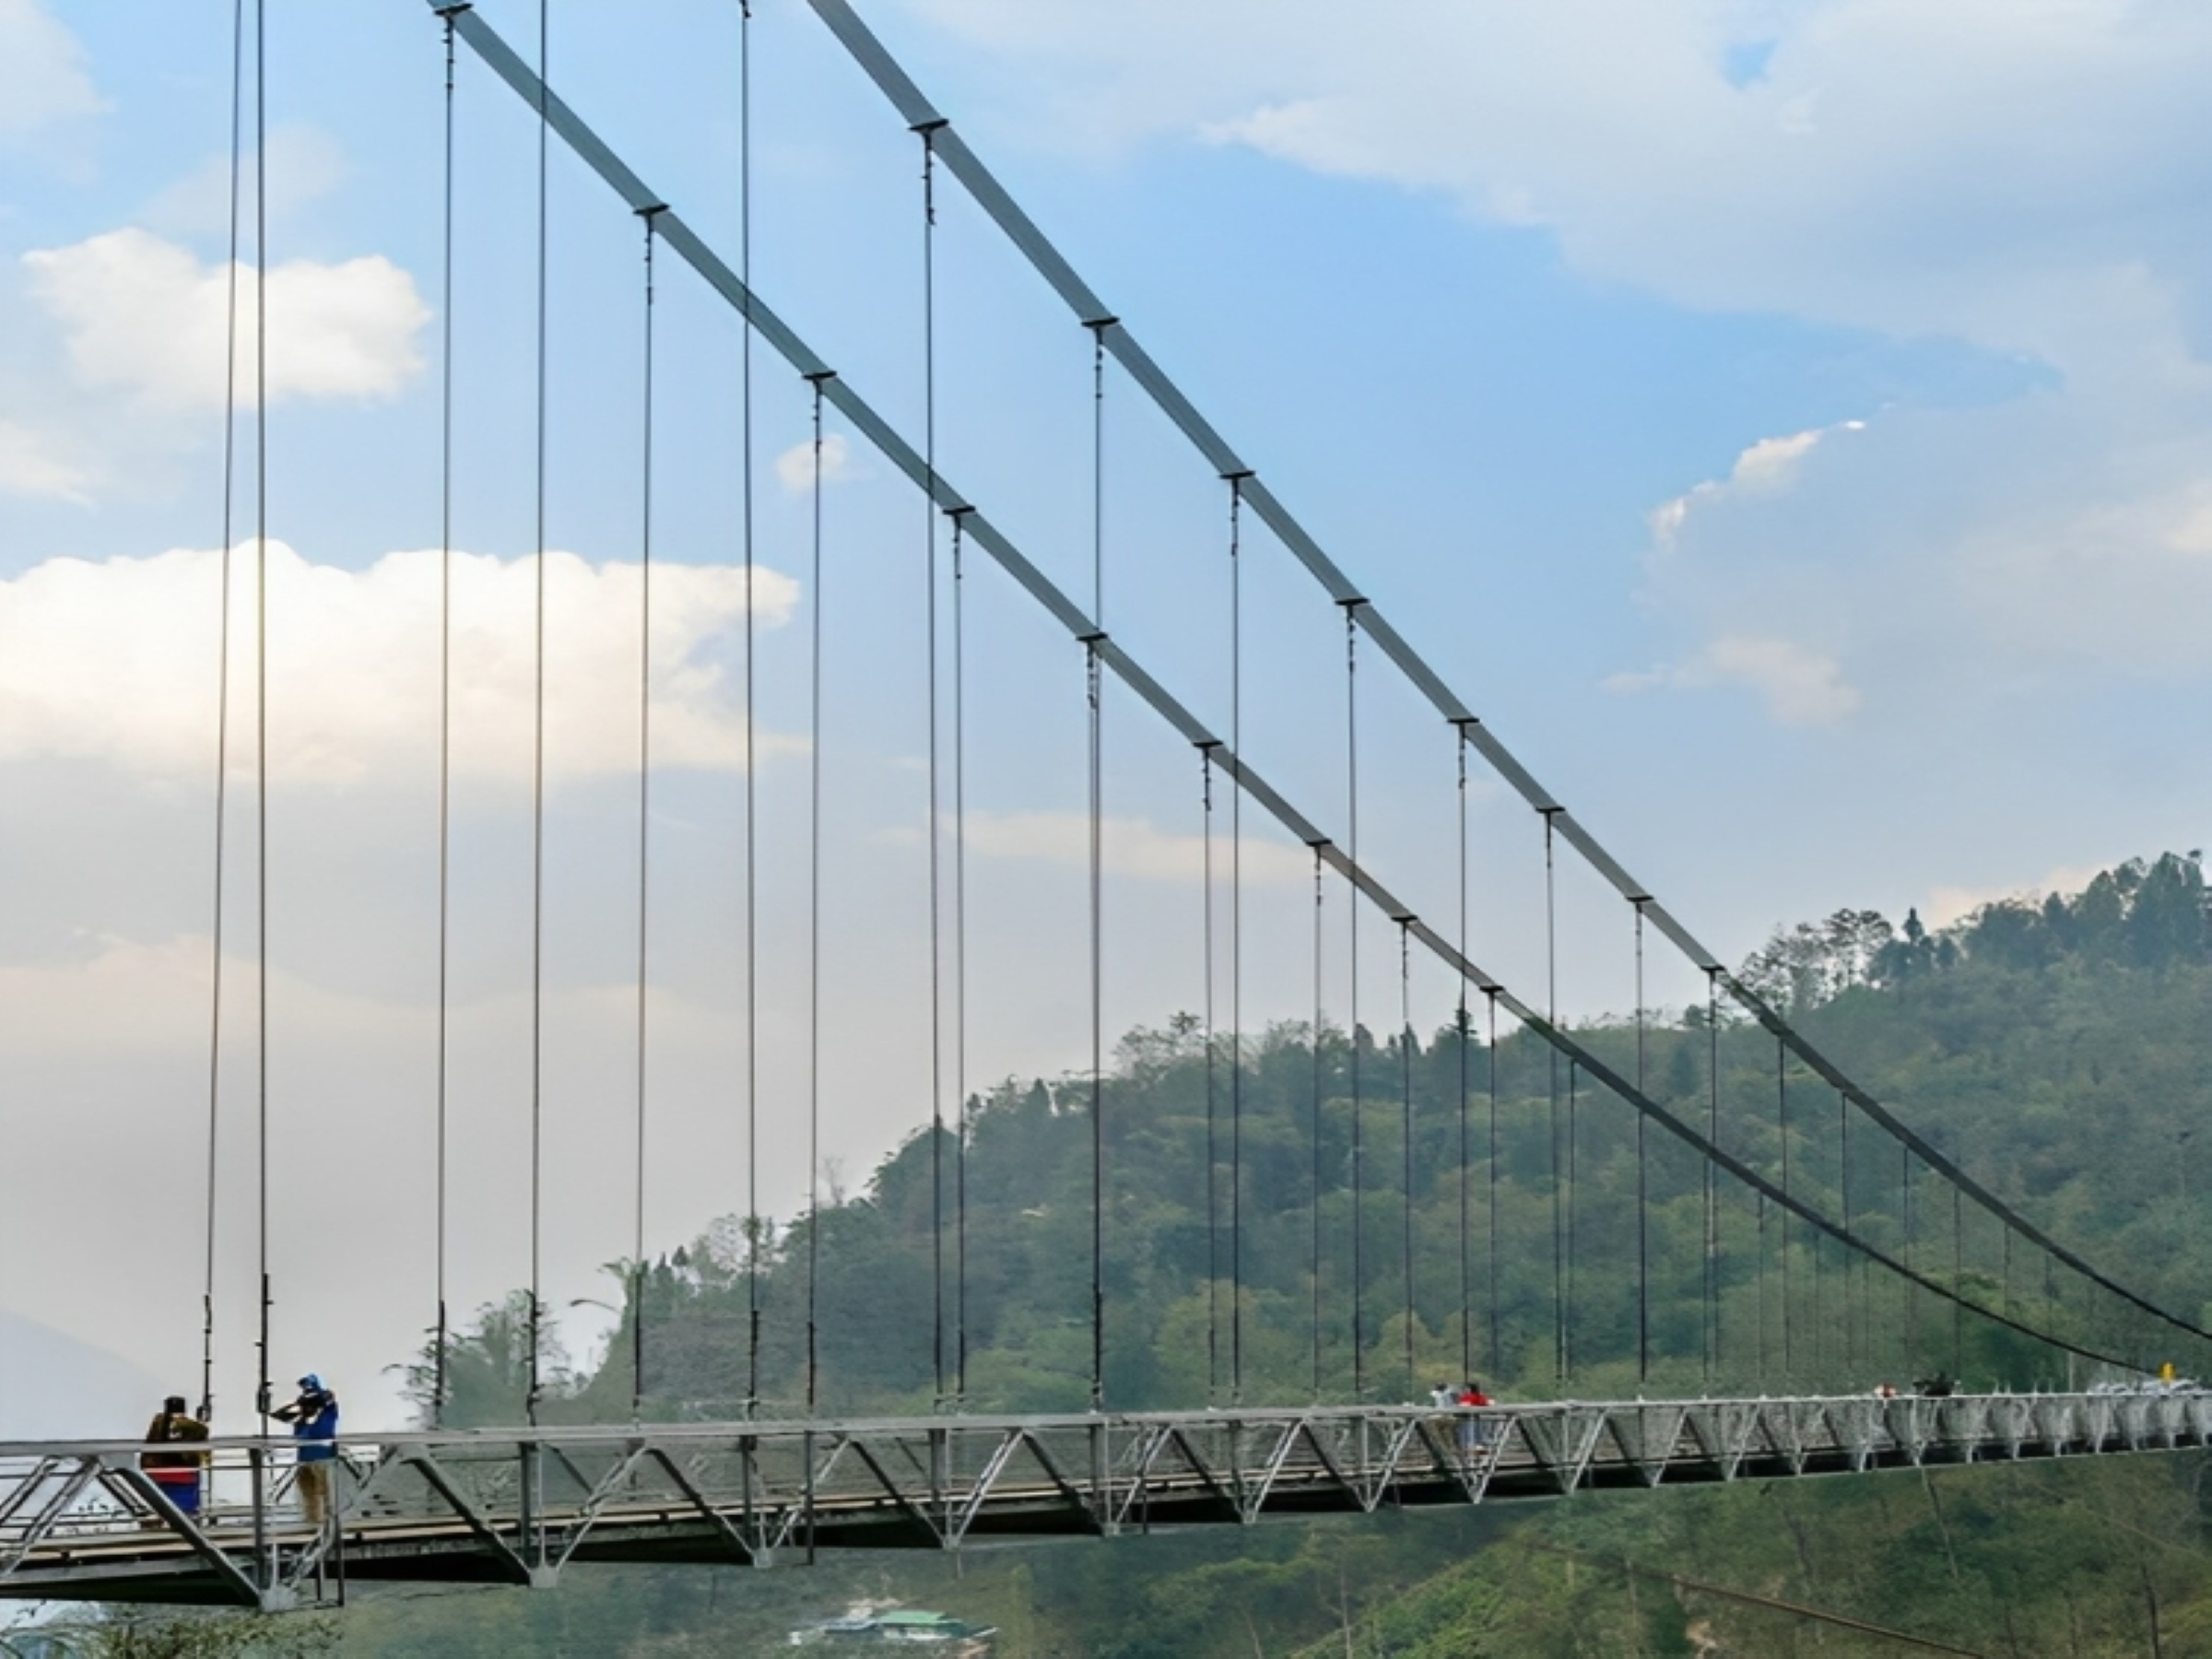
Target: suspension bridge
1834,1187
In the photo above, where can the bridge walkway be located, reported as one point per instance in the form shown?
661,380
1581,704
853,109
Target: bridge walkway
79,1519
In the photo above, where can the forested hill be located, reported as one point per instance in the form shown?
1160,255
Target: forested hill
2057,1046
2060,1047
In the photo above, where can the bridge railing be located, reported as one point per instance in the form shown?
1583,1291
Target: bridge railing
508,1505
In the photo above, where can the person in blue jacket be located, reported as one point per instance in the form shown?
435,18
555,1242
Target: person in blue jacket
315,1420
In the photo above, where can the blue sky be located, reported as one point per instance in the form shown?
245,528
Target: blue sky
1783,422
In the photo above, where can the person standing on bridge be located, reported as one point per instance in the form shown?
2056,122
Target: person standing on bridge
315,1420
176,1473
1474,1434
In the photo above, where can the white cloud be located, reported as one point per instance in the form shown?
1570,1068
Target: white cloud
1768,468
1800,685
1130,847
144,316
117,662
794,467
42,74
1950,169
2027,178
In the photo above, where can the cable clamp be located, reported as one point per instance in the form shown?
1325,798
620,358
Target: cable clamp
1097,638
935,124
1099,324
819,376
649,210
453,10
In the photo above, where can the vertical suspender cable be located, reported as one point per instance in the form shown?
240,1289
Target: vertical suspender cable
1712,1135
1558,1191
814,926
2005,1242
1957,1282
1643,1179
1760,1346
936,896
1235,947
261,657
1352,777
222,717
1575,1082
959,964
753,1224
1405,1048
535,1388
640,1279
1466,1038
1782,1134
441,1336
1911,1285
1491,1214
1213,1186
1094,692
1314,1202
1851,1352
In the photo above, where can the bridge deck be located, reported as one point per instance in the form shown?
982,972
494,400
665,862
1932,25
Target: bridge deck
80,1520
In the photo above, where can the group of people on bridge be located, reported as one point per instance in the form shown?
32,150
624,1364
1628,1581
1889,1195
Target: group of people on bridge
1474,1434
179,1467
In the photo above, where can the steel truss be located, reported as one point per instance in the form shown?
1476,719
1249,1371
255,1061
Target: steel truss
81,1521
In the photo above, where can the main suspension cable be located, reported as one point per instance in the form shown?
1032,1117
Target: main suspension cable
222,718
1038,248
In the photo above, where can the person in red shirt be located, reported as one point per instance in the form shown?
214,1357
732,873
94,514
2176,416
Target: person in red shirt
1474,1434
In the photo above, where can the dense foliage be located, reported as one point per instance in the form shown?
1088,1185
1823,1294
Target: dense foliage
2058,1048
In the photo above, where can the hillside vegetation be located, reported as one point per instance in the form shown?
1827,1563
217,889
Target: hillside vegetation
2059,1048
